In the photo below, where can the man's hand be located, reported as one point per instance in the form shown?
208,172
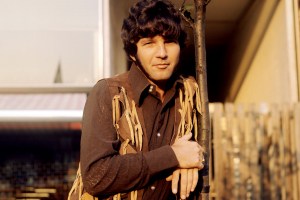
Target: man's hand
188,153
188,181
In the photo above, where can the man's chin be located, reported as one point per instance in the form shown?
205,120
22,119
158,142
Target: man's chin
161,79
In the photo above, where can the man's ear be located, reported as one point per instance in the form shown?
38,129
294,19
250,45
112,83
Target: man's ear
133,58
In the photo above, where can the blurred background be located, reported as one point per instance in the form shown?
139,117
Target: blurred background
53,52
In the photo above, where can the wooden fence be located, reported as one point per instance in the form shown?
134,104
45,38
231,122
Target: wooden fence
255,152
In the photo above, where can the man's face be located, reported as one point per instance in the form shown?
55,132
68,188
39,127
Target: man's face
158,57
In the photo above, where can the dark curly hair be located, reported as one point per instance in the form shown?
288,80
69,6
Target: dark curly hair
149,18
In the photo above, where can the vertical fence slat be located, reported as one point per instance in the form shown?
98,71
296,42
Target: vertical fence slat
236,156
218,127
229,167
249,153
241,119
260,141
297,141
265,160
286,176
294,154
255,152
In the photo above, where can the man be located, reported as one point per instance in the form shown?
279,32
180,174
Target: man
153,37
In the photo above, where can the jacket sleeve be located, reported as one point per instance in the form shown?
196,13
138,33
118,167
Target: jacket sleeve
104,171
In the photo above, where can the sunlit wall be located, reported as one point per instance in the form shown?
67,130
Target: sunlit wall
272,76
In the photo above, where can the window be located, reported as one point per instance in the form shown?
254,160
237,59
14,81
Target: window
47,41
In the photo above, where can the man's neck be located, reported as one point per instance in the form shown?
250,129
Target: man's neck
161,93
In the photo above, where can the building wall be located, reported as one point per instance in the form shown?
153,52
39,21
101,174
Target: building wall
272,76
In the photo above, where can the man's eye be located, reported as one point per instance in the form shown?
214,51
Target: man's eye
147,43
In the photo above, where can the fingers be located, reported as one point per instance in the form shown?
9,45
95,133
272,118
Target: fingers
175,179
187,137
189,182
169,178
195,179
183,183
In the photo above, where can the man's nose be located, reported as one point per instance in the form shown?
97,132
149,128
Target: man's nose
162,52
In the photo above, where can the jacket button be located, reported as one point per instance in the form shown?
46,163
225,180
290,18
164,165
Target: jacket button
151,88
158,134
152,187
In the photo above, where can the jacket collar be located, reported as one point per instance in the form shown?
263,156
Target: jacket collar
138,82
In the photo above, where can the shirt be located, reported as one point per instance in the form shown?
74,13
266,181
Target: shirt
104,171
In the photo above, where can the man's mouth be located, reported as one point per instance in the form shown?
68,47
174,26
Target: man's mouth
161,65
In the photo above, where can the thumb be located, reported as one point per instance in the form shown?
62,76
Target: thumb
187,137
169,178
